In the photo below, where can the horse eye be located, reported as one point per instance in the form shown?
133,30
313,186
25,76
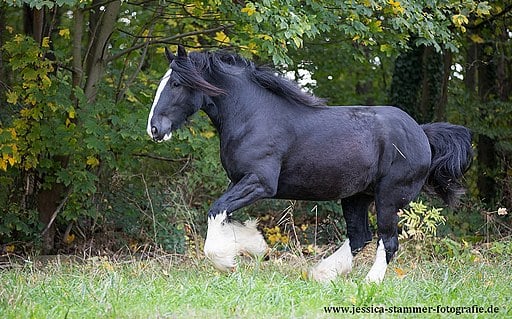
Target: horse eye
175,84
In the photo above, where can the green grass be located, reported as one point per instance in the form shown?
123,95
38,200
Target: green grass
175,287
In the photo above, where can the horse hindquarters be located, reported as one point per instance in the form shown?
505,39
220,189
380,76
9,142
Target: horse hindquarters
400,180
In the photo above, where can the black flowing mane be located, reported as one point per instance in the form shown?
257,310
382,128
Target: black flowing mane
191,68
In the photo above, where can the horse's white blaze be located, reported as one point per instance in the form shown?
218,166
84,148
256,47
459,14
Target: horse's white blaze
378,270
224,241
159,90
338,263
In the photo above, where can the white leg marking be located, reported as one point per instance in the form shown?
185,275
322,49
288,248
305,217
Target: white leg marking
338,263
248,238
224,241
161,86
378,270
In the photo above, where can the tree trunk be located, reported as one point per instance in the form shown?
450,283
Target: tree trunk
486,89
102,25
440,108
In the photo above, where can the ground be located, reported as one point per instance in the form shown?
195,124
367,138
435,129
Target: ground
472,281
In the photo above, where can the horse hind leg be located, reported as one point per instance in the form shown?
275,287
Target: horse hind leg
355,211
390,197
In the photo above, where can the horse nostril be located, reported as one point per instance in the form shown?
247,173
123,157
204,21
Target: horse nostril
154,130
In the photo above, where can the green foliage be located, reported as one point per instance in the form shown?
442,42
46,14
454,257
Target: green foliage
39,4
417,83
420,222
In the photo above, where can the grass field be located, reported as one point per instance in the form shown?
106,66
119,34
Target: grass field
178,287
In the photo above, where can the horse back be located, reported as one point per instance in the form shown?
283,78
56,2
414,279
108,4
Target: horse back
340,151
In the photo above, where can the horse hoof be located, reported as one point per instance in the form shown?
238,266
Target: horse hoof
320,274
375,277
337,264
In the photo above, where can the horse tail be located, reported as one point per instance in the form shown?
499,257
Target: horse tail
451,157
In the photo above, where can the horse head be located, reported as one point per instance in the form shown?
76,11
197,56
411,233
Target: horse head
181,93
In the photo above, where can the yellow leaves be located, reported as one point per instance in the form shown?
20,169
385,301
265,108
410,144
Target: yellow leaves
396,7
92,161
221,37
12,97
13,132
71,116
386,48
483,9
476,38
18,38
107,265
265,37
69,239
208,134
249,9
134,246
459,20
64,33
400,273
46,42
132,98
251,47
9,151
274,236
10,249
45,80
376,26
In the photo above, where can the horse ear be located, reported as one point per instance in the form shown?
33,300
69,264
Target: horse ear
181,51
170,56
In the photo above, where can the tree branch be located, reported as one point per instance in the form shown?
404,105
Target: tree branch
503,12
161,158
166,40
54,215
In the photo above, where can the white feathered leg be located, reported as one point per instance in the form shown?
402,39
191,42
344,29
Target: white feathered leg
338,263
224,241
378,270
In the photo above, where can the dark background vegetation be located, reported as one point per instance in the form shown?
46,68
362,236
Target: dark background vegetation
79,174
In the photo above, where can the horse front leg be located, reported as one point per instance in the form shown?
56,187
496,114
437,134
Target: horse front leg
224,239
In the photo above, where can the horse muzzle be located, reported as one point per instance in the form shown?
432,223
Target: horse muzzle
161,130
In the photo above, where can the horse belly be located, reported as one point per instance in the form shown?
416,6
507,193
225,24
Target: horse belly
324,182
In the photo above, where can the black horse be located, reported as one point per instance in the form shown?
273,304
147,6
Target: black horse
277,141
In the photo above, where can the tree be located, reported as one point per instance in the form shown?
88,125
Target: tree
488,83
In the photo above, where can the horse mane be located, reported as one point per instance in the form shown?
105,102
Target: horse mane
222,61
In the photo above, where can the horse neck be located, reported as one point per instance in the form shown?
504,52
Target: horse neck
235,106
